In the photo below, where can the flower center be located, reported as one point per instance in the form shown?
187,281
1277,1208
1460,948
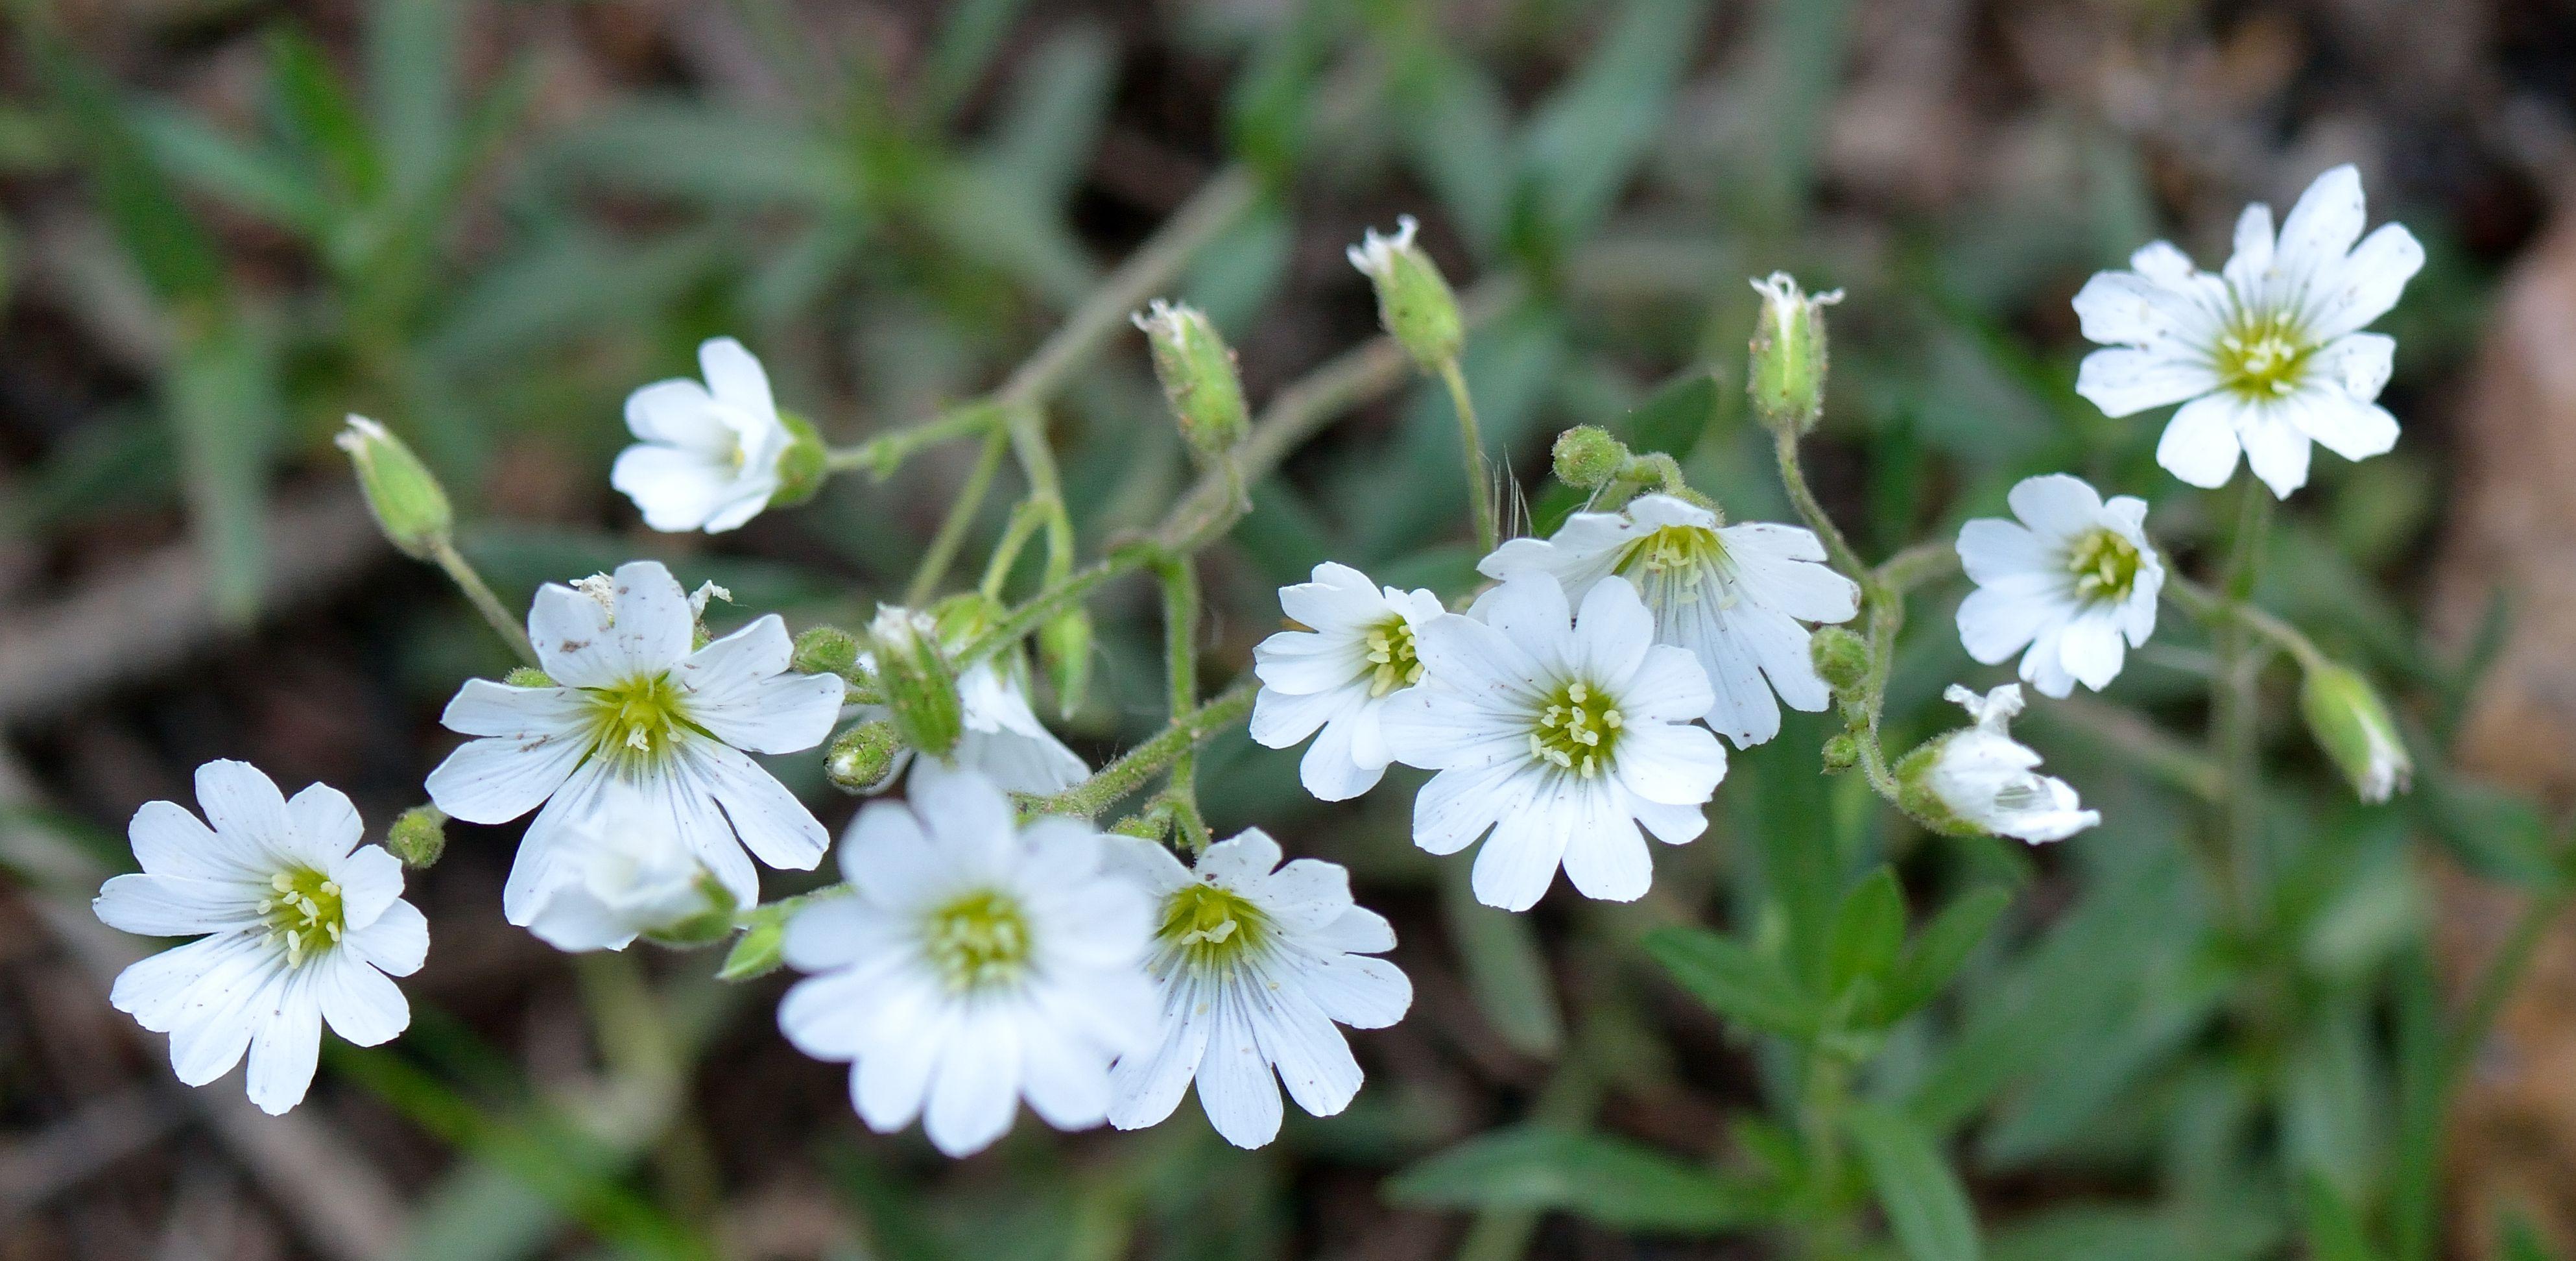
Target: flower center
1210,926
1392,663
2263,355
636,721
305,911
1675,553
2104,565
1577,730
979,941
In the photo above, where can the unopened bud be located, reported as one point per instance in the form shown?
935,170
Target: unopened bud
920,686
964,617
409,504
825,650
527,676
801,467
1064,649
712,923
1587,456
1841,752
1787,374
418,836
2352,725
1413,298
1841,658
862,759
1198,376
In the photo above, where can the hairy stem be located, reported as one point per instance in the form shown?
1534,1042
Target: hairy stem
479,594
1141,763
1480,489
2230,852
933,568
1181,656
1793,476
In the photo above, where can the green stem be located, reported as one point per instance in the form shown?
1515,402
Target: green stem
883,454
1793,476
1046,487
1026,517
952,529
1139,764
2231,851
1917,565
2211,609
1480,489
1180,650
1827,1234
1882,604
479,594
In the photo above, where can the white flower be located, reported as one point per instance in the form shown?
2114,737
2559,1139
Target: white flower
1256,966
301,924
2264,356
621,873
1560,738
707,455
633,708
973,963
1984,778
1735,596
1002,735
2074,577
1354,654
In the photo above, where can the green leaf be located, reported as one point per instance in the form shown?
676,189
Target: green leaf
1733,980
2334,1231
713,155
1506,970
1610,1181
317,110
1457,133
755,953
221,396
169,247
1926,1207
1585,140
1869,928
412,71
1672,419
1051,121
1940,949
964,54
253,180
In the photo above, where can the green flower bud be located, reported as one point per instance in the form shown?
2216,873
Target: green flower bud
862,759
708,926
418,836
527,676
825,650
1841,657
1787,376
1413,298
920,686
1587,456
1198,376
408,502
1917,795
962,617
801,467
1064,649
2352,725
757,952
1841,752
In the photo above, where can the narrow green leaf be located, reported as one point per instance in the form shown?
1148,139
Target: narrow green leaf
317,110
1506,970
1869,928
2334,1230
1585,141
1733,980
412,71
1926,1206
1051,121
251,179
1457,132
968,41
169,247
1610,1181
221,396
1940,949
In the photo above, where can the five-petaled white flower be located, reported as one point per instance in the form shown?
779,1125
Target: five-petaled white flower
301,924
973,963
622,874
1002,735
1735,596
1257,962
707,455
2069,581
1982,777
1559,734
633,708
1354,654
2265,356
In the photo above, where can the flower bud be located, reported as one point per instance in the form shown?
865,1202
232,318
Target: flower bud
825,650
527,676
1064,649
418,836
712,922
1587,456
2352,725
1841,752
1841,657
862,759
1787,374
1198,376
801,467
920,686
1413,298
408,502
964,617
1979,781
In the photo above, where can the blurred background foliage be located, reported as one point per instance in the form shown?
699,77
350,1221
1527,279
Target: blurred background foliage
226,223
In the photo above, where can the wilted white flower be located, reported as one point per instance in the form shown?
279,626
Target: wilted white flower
2069,581
973,963
2265,356
707,455
1979,780
1558,734
632,708
301,924
1737,597
1257,962
622,874
1001,735
1352,653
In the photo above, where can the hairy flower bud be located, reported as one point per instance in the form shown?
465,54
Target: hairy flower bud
801,467
2352,725
825,650
1064,649
1787,373
1841,752
1587,456
920,686
1841,657
1198,376
527,676
418,836
409,504
1978,780
1413,298
861,759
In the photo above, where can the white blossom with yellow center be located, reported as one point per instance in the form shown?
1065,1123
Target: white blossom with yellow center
1351,650
2074,581
706,456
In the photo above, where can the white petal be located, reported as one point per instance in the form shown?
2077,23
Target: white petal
2125,309
240,800
1612,632
1676,765
176,906
1606,857
735,377
2275,449
1519,861
2056,506
1994,624
1281,719
2357,364
2092,650
1669,686
1235,1085
1015,762
1480,661
369,879
324,824
1359,991
1458,805
1301,662
1332,769
2348,427
741,693
2322,226
2199,444
1992,549
1147,1086
396,944
1313,1057
2249,267
1673,825
169,841
1067,1084
1531,613
362,1004
485,708
1339,598
975,1088
676,412
890,1087
676,490
285,1047
2364,286
773,824
2125,380
497,779
1781,566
